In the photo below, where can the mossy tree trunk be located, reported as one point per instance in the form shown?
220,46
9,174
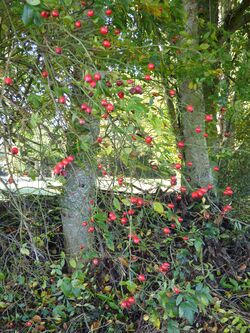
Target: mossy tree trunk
196,150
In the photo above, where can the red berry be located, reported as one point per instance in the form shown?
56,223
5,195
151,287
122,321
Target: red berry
28,324
141,278
78,24
171,205
133,200
97,76
14,150
208,117
124,304
194,195
62,100
110,107
8,81
91,229
117,32
84,223
106,43
148,140
189,164
136,240
65,161
180,219
131,212
95,262
185,238
88,78
108,12
104,102
120,181
180,144
104,30
93,84
189,108
44,14
183,189
99,139
205,135
90,13
216,168
178,166
171,92
55,13
147,77
131,300
166,231
84,106
45,74
58,50
88,110
176,290
198,129
124,220
119,83
112,216
151,67
82,121
70,158
121,94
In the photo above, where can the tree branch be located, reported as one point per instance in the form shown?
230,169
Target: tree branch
237,18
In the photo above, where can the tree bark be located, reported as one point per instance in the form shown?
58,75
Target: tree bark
76,209
196,149
80,187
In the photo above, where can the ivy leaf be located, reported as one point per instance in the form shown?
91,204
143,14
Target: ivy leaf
173,326
72,263
158,207
27,15
187,311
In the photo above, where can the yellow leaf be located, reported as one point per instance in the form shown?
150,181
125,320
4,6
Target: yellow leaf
191,85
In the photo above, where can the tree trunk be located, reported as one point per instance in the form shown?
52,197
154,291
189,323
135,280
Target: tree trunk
76,209
80,186
195,144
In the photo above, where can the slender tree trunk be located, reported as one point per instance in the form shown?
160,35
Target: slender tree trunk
195,144
76,209
79,188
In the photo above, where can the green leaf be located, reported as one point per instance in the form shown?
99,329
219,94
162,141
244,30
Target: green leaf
131,286
33,2
179,300
72,263
116,204
157,206
24,251
198,245
110,243
187,311
173,326
126,202
27,15
204,46
155,320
